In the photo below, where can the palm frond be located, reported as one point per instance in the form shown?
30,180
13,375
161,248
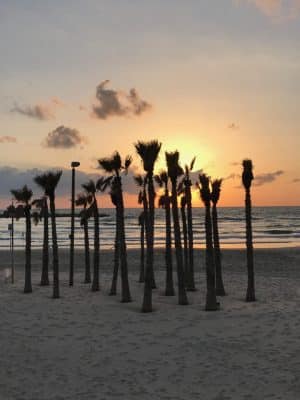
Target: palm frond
174,169
22,195
247,175
204,187
148,151
139,180
89,187
48,181
216,190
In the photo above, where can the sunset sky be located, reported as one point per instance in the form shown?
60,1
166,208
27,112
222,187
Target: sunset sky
219,80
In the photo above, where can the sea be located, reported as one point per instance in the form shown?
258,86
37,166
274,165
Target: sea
272,227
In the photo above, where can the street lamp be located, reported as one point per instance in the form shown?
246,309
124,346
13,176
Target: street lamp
74,164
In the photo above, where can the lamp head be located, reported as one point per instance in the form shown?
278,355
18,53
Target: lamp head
75,164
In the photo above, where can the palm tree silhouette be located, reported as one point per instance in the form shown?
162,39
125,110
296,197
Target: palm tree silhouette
187,183
42,205
247,178
174,171
90,190
85,214
149,151
24,196
48,182
114,166
215,196
162,180
205,194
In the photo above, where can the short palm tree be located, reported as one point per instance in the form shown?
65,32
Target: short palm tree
90,191
215,196
149,151
247,178
85,214
162,180
175,171
205,194
42,205
48,182
24,196
113,165
187,183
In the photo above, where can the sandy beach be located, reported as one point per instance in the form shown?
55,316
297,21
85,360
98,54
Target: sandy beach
90,346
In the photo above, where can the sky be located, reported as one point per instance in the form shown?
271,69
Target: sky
219,80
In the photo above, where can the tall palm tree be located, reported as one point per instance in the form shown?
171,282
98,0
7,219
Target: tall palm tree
24,196
42,205
149,151
113,165
185,238
187,183
48,182
143,221
90,190
205,194
162,180
247,178
215,196
174,171
85,214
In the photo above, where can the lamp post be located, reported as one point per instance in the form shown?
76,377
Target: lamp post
74,164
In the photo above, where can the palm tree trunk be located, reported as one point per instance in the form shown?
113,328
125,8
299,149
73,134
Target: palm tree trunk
185,244
147,299
168,254
27,286
87,277
45,268
150,251
142,257
55,249
113,289
250,296
95,284
182,297
211,299
190,275
126,297
220,291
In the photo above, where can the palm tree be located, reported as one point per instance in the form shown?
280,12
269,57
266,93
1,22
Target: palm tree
187,183
85,214
215,195
113,165
205,194
48,182
24,196
42,205
162,180
149,151
174,171
247,178
90,190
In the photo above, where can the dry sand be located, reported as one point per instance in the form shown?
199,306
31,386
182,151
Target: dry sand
88,346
